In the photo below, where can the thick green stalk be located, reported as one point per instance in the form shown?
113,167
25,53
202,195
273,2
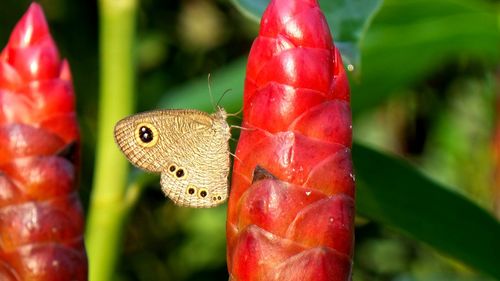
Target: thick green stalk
108,209
496,150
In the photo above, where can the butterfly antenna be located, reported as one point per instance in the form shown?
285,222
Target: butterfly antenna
243,128
222,96
210,93
235,157
236,113
235,116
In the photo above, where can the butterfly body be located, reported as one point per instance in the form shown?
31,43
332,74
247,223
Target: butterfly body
188,147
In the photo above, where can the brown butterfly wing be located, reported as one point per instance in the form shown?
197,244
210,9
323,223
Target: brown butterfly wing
204,165
148,157
189,147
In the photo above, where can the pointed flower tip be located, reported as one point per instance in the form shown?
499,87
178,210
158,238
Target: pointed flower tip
30,29
65,73
31,49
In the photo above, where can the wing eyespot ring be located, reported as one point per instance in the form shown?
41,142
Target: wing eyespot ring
176,171
191,189
202,193
172,168
146,134
180,173
217,198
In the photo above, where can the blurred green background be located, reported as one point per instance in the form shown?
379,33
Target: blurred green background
424,88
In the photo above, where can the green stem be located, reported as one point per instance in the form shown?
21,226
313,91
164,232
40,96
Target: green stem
108,210
496,149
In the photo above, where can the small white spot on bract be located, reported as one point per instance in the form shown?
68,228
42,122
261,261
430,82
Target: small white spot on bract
308,193
352,176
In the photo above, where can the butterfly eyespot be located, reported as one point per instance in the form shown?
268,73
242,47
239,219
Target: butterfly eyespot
191,190
146,135
172,168
219,198
202,193
214,198
180,173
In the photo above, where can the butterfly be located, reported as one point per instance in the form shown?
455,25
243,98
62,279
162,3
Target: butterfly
190,148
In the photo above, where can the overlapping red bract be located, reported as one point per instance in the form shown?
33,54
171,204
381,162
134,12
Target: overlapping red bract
41,218
295,220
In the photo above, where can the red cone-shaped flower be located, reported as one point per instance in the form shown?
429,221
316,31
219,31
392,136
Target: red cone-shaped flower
41,219
291,207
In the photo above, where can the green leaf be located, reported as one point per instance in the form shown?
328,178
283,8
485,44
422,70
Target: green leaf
252,9
348,21
409,39
195,94
395,194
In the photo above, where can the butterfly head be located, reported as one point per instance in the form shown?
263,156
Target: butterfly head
220,113
221,124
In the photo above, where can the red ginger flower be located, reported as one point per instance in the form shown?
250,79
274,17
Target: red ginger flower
291,209
41,218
